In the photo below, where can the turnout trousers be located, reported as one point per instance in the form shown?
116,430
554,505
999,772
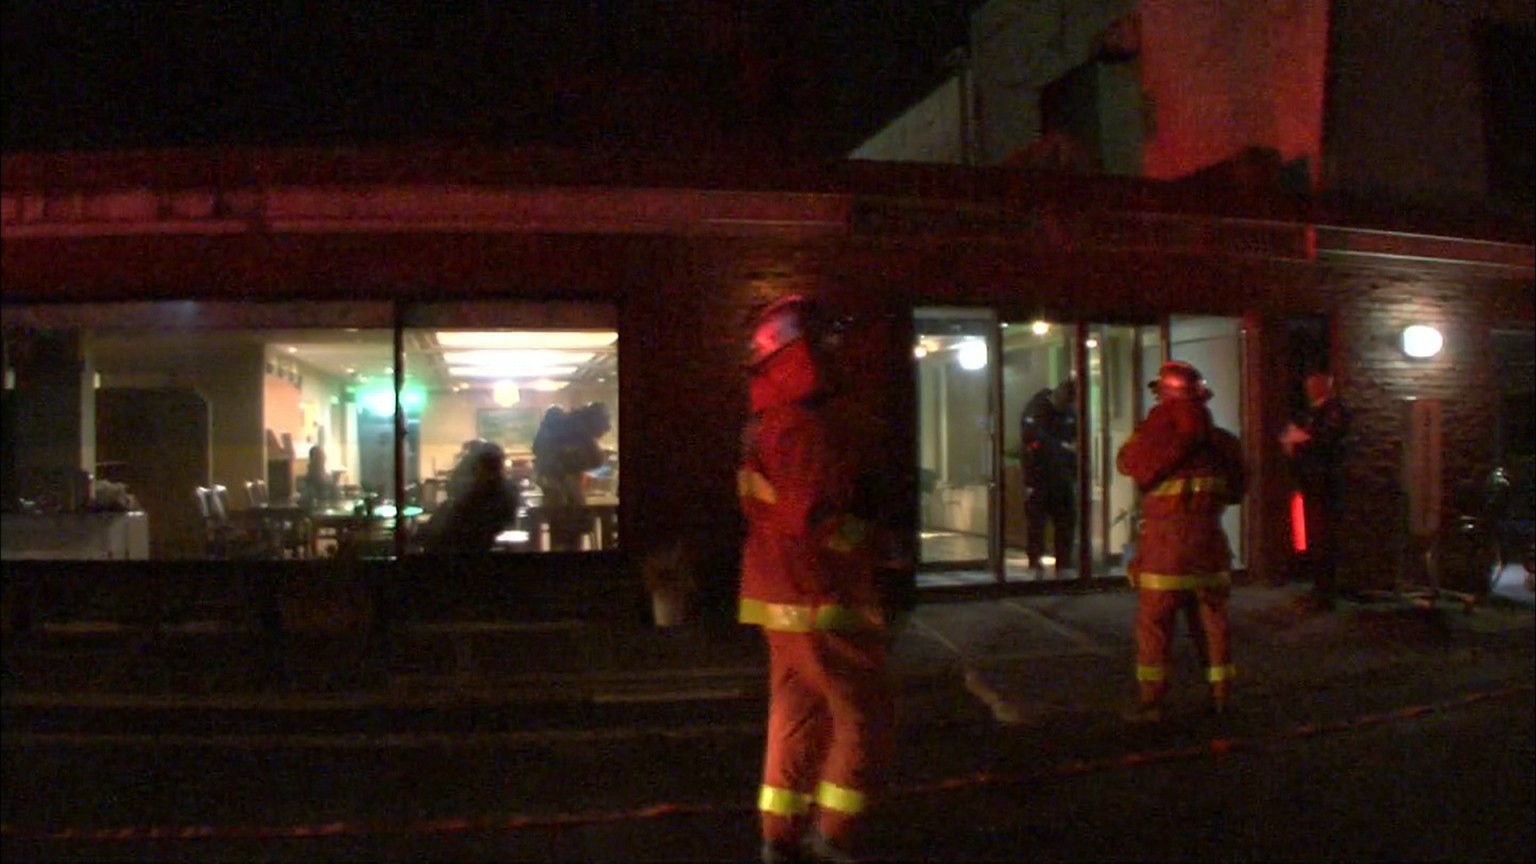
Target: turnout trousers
1156,611
830,733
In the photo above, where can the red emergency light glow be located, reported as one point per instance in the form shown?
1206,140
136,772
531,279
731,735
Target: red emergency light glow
1298,523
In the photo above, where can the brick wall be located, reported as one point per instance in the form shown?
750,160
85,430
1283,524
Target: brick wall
1370,306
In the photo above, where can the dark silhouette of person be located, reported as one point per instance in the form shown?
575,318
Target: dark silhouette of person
1048,433
482,506
319,487
564,449
1315,444
465,468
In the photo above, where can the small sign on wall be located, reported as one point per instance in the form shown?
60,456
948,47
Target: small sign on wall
1422,466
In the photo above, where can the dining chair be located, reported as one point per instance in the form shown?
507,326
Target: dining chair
215,530
228,538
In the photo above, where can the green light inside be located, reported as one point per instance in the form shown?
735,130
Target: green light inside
381,401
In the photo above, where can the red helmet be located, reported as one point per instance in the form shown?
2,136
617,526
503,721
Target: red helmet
787,321
1179,380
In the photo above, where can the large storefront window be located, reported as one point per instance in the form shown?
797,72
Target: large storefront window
295,430
542,400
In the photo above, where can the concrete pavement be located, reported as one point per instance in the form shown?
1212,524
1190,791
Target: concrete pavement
1010,744
1020,657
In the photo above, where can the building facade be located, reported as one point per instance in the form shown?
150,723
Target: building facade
1384,111
184,321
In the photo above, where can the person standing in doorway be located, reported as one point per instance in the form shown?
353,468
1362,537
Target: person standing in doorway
1188,470
1048,433
1315,446
808,580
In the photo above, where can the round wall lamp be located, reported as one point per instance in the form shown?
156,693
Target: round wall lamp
1421,340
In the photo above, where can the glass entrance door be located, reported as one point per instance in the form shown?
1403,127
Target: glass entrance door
1215,347
1070,403
1121,358
1019,424
956,444
1042,451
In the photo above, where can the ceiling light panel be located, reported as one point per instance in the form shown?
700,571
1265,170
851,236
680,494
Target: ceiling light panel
516,358
497,372
547,385
589,340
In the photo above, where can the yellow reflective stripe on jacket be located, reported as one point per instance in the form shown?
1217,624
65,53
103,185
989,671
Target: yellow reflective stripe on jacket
1221,673
850,532
752,484
830,796
1181,485
1149,673
803,618
783,802
1166,582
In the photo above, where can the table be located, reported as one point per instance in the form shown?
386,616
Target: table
604,522
353,531
285,529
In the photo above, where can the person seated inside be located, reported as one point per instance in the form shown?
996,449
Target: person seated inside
478,509
319,489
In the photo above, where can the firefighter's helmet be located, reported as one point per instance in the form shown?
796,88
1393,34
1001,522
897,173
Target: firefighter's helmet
789,320
1179,380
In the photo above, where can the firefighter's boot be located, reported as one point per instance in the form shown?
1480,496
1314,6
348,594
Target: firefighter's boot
816,847
1149,705
1221,699
775,853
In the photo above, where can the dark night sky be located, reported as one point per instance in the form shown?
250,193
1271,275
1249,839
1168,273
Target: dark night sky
808,77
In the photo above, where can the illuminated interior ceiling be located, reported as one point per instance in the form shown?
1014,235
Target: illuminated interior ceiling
533,358
480,359
934,341
434,360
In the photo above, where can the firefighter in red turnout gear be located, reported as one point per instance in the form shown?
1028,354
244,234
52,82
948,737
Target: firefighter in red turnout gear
1188,470
809,581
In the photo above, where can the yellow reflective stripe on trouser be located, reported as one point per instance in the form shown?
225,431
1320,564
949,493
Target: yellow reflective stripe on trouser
1180,485
831,796
1221,673
1149,673
1169,582
803,618
783,802
752,484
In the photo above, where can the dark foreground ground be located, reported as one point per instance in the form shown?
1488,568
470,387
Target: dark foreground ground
1378,732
